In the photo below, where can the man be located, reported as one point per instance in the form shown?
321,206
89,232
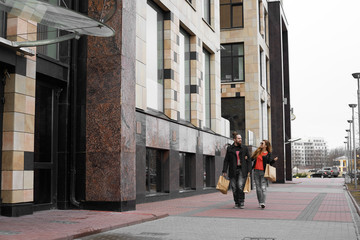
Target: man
238,160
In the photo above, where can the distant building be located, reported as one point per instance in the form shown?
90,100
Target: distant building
309,152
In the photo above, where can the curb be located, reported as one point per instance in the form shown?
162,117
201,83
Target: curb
105,229
353,200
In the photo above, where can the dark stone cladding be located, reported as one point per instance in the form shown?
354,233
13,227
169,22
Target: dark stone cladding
279,79
194,89
168,74
28,161
111,206
194,56
17,209
169,16
110,113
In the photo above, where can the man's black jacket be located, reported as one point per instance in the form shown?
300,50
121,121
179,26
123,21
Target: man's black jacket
230,160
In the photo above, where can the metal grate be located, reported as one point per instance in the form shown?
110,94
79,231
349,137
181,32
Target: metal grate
258,238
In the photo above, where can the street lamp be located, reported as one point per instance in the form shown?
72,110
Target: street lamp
353,123
347,156
357,76
347,160
349,139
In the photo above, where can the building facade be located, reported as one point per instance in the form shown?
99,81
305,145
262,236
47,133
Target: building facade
106,123
311,152
255,74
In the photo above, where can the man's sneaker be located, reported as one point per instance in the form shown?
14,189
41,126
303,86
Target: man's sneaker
236,206
242,205
262,205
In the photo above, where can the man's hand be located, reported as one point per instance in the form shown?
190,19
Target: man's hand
276,158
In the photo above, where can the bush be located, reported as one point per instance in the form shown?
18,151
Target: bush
301,175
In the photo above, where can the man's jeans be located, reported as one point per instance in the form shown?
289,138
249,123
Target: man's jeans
237,185
260,183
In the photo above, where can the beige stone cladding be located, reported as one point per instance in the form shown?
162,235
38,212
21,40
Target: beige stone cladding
188,16
255,39
17,185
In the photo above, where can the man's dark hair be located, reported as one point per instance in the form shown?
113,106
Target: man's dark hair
235,133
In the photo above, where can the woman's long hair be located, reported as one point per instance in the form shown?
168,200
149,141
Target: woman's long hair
259,149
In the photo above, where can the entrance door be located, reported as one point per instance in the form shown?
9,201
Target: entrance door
45,152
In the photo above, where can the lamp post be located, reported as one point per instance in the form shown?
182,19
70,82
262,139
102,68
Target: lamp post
350,159
353,123
347,156
357,76
347,160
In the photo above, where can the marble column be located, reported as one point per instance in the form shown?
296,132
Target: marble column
110,112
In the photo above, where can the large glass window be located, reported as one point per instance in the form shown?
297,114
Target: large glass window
2,24
207,11
154,171
184,75
155,57
185,170
209,171
233,109
232,63
207,89
231,14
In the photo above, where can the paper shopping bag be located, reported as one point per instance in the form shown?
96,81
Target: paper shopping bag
223,184
247,187
270,173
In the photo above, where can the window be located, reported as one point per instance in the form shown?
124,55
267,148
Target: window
186,169
57,51
154,57
45,32
263,69
184,75
155,169
231,14
2,24
207,11
207,89
232,63
209,171
233,109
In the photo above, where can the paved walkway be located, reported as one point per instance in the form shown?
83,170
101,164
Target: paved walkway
303,209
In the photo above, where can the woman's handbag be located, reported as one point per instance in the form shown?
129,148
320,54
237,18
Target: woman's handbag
270,173
223,184
247,187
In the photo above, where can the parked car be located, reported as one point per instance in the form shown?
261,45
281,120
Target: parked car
335,172
320,174
328,171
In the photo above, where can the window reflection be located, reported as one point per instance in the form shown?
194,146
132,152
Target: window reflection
154,57
231,14
232,63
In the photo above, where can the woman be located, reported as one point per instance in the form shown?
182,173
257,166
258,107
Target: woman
261,157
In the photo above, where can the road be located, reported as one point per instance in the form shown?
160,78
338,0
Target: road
301,209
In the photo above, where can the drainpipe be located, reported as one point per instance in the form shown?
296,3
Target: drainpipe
73,107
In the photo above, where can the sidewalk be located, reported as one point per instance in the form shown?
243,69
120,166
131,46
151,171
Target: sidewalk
302,201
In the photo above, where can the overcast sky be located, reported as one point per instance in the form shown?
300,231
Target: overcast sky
324,50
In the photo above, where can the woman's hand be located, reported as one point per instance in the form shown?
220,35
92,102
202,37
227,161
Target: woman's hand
275,159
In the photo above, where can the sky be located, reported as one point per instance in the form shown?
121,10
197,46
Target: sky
324,50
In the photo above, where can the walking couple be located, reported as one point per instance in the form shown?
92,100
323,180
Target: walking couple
239,163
